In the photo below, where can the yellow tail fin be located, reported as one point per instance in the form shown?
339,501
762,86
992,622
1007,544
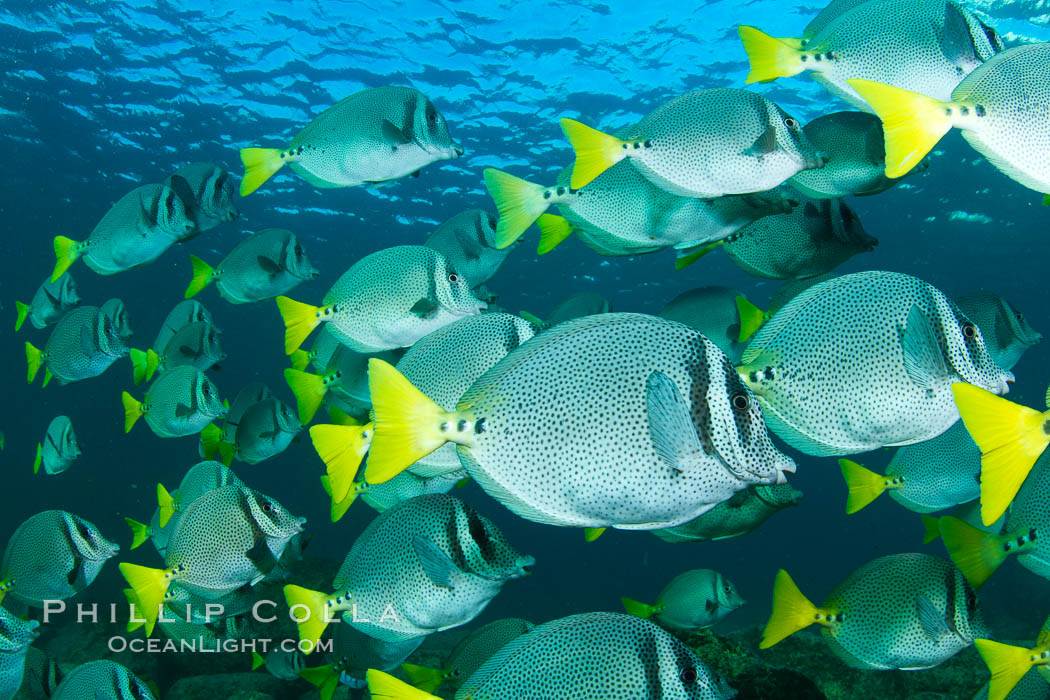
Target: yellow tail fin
339,508
596,151
300,360
23,312
211,438
518,202
143,364
931,528
383,686
407,423
140,532
227,452
792,612
341,448
257,661
150,587
751,318
771,57
324,678
680,263
66,253
975,552
299,321
642,610
1008,665
259,166
165,505
312,608
553,232
135,619
590,534
309,390
913,123
38,458
423,677
132,411
864,485
202,276
1010,436
341,417
33,362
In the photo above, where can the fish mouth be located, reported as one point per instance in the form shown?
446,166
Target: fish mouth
456,150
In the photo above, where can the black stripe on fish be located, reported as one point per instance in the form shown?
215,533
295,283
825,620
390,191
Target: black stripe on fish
480,534
649,657
699,374
452,533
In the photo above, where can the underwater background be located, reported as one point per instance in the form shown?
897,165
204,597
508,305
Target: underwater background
97,97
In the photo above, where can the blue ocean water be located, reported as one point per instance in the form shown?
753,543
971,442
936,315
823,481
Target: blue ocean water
98,97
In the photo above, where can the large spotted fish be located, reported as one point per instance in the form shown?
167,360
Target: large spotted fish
428,564
15,637
49,303
590,655
136,230
902,611
386,300
921,45
229,537
373,136
52,555
705,144
622,420
881,350
83,344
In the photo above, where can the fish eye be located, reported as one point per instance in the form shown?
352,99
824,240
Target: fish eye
298,250
791,123
453,277
688,675
1020,316
740,401
267,507
969,331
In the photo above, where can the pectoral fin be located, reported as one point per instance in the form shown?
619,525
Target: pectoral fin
923,358
183,411
931,619
268,266
424,308
765,143
438,566
670,425
394,135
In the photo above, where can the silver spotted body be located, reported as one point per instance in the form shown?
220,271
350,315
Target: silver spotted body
392,298
433,560
227,538
696,599
183,314
595,655
247,397
52,300
856,151
938,473
1002,113
181,402
445,363
567,439
137,229
713,312
350,392
15,637
406,486
926,46
102,680
375,135
903,611
194,345
745,511
811,240
577,305
1026,531
264,265
1006,331
720,141
266,429
54,555
59,448
354,652
468,240
207,192
83,344
199,479
880,349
